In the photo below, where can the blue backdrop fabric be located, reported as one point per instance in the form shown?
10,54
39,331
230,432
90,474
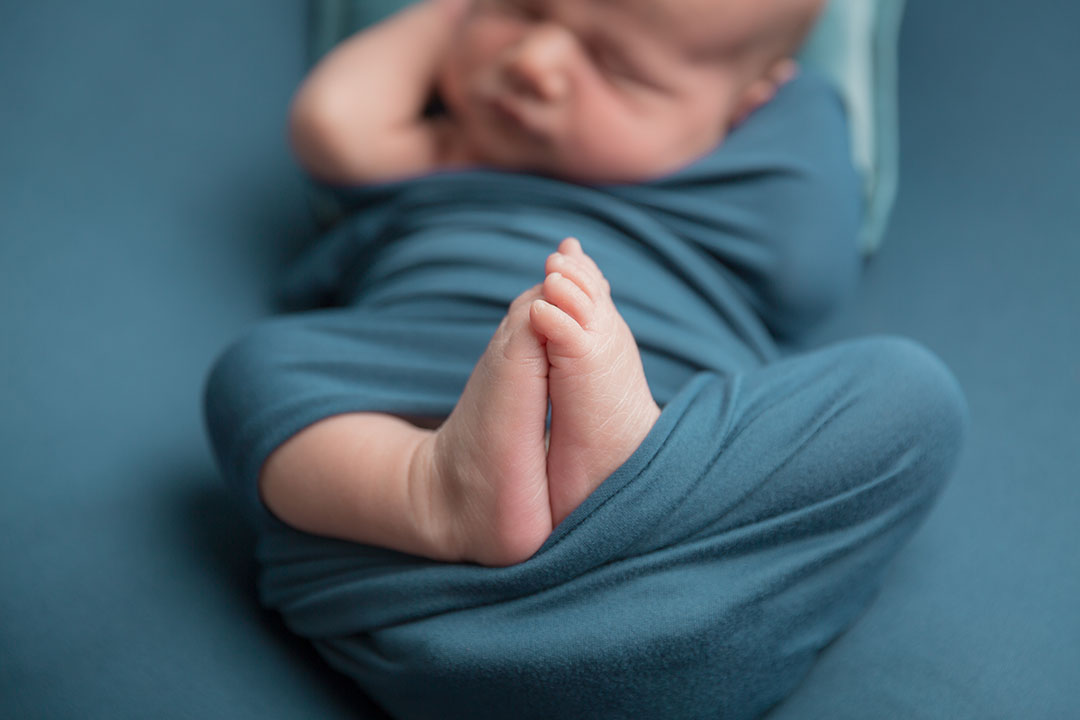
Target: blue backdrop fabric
148,203
749,529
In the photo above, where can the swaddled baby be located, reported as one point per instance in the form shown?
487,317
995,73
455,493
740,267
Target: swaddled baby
590,91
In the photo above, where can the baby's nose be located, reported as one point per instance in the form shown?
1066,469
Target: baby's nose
537,64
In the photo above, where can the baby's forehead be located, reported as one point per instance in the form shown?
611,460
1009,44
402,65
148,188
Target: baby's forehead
688,25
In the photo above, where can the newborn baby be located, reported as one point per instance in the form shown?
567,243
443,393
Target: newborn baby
684,563
590,91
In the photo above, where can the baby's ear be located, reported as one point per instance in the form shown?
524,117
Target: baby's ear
783,71
761,91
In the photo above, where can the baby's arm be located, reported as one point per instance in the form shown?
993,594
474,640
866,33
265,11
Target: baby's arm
358,117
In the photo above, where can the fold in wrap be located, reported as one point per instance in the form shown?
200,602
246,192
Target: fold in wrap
746,532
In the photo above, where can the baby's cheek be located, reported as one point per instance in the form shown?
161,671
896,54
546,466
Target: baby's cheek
475,53
614,148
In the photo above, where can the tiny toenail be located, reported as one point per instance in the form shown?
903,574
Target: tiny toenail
555,276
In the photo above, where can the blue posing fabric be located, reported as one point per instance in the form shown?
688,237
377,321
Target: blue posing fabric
747,531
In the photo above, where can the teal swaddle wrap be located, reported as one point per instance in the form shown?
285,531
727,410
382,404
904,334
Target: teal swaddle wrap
746,532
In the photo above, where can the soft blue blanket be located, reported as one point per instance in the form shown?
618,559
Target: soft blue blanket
748,530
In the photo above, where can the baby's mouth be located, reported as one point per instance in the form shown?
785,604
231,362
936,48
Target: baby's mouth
508,113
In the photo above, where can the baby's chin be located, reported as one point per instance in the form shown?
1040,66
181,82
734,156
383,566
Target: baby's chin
508,146
585,166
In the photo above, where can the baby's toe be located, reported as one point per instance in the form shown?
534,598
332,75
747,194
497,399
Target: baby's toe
519,308
569,297
571,247
516,337
578,272
564,335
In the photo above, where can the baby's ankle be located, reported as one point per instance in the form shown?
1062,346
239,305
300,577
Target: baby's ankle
455,517
433,523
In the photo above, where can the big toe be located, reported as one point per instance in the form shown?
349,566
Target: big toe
517,340
572,261
563,334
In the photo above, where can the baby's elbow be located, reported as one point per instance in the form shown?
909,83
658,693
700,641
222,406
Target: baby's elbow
320,136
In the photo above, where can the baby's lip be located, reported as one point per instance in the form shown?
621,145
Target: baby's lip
510,113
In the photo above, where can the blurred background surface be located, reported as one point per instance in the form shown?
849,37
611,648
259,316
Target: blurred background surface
148,204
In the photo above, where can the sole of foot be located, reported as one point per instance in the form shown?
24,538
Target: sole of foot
601,405
487,464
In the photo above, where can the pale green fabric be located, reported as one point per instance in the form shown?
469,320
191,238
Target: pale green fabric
854,45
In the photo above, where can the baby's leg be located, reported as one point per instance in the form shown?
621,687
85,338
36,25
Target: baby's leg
752,526
473,490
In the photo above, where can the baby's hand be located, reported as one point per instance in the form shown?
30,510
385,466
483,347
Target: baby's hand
455,9
762,91
338,130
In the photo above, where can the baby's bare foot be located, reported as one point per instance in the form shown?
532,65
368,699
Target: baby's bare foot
601,406
485,468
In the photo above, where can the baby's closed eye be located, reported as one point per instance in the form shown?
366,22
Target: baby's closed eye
608,59
528,9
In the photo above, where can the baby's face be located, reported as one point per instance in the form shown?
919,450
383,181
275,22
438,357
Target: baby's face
596,90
